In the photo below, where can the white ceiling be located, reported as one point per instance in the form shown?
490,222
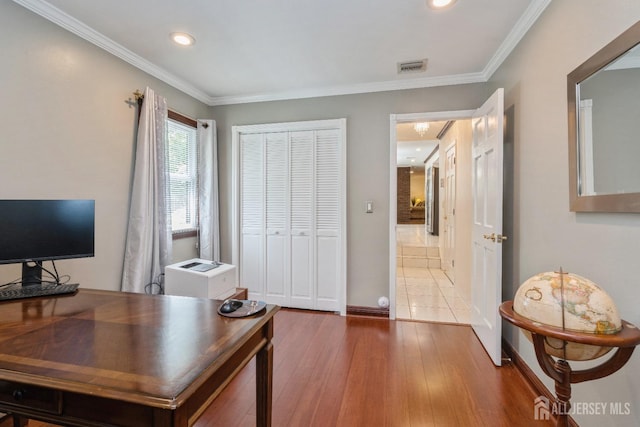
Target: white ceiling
256,50
413,148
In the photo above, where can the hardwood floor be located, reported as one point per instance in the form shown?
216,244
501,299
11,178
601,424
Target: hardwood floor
359,371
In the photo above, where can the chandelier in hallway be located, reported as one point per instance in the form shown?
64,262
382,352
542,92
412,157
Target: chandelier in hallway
421,128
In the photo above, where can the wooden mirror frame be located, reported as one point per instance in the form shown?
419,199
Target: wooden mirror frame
629,202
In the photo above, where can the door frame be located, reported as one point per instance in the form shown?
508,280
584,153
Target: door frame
394,120
236,130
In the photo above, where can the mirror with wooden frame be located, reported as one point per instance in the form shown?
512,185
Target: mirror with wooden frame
604,128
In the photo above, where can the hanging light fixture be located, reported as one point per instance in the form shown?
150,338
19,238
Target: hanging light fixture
421,128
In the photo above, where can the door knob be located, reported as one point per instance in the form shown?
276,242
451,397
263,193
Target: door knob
495,237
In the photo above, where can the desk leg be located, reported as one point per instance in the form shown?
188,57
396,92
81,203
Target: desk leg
264,380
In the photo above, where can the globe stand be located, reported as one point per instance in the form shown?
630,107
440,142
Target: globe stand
559,370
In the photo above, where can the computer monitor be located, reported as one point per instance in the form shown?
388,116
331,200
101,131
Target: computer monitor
33,231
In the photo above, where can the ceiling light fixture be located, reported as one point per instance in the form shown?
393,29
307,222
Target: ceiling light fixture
183,39
421,128
440,4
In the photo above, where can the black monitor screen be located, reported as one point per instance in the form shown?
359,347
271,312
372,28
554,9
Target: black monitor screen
39,230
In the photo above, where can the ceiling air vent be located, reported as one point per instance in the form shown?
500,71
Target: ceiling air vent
412,66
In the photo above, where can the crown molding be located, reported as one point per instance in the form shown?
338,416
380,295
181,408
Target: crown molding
352,89
58,17
528,18
69,23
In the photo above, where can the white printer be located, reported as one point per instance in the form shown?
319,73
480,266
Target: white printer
200,278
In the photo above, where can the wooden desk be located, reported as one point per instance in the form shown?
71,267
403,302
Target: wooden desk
111,358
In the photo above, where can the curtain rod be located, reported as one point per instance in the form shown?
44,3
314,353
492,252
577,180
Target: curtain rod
140,97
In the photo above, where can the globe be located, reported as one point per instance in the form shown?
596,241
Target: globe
587,308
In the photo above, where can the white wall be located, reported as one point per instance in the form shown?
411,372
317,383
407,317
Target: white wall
68,129
602,247
368,150
417,184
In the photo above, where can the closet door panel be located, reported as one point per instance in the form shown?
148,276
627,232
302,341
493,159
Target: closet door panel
301,272
327,278
301,196
276,194
251,214
251,272
327,218
327,180
276,264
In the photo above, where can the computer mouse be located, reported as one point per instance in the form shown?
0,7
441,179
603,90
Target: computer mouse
230,305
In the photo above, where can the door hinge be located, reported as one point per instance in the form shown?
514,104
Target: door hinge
453,263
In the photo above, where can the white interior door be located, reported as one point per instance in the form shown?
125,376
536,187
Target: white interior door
449,212
487,236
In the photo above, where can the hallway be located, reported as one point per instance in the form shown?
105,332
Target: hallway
423,290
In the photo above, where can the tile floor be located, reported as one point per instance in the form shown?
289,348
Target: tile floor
424,292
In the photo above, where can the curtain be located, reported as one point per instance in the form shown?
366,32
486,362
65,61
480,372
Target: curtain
148,245
209,224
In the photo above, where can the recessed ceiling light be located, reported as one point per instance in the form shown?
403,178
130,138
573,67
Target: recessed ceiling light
183,39
440,4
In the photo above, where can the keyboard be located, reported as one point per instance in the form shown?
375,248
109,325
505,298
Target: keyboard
37,291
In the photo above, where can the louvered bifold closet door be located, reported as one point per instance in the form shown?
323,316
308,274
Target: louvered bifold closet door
252,214
327,214
301,196
292,213
277,229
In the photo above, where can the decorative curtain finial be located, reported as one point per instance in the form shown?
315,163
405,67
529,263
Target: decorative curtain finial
139,95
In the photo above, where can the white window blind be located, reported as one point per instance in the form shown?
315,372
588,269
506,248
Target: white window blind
183,176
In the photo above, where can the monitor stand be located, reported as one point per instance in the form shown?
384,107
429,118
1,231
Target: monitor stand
31,273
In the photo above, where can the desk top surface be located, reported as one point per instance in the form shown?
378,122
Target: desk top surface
140,348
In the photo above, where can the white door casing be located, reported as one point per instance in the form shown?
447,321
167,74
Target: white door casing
394,120
585,179
487,160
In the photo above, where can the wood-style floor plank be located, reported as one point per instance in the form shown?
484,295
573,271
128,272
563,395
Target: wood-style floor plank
358,371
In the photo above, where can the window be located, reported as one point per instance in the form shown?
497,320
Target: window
183,173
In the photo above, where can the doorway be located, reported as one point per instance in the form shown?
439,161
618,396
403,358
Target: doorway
421,288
